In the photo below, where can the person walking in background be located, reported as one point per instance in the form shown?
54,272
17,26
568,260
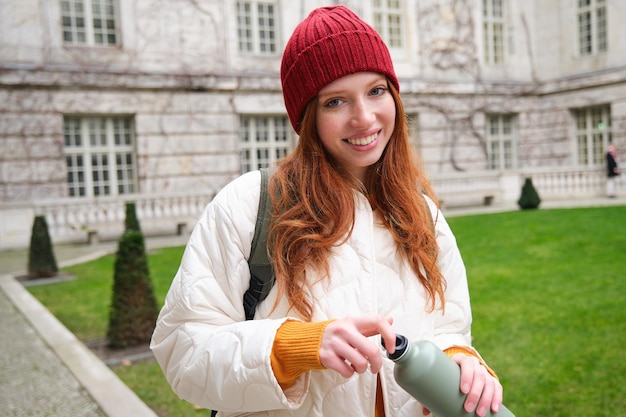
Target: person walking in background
612,170
359,247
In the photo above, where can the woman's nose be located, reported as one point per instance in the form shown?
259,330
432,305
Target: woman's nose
362,114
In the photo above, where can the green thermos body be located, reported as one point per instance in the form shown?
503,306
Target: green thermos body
432,378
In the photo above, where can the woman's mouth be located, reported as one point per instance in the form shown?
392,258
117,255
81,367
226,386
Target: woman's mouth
363,141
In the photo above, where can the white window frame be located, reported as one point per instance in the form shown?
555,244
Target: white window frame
263,140
257,30
494,30
100,155
389,22
593,134
90,22
591,19
501,141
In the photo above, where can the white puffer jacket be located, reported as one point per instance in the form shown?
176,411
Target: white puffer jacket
214,358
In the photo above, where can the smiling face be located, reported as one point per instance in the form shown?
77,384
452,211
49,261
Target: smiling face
355,118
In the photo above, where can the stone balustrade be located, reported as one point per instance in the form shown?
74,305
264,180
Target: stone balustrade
555,183
494,187
73,220
463,189
102,218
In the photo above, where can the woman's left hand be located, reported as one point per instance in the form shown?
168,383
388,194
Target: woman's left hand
483,390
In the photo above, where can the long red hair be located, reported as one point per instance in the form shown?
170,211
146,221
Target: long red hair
314,208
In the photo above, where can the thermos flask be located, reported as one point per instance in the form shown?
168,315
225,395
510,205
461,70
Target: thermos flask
432,378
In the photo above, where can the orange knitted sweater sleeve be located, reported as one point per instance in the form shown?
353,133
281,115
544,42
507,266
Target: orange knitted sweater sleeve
296,350
466,350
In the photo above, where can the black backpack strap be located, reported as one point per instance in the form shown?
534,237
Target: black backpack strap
261,271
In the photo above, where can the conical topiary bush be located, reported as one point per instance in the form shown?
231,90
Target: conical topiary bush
529,199
41,260
131,222
133,310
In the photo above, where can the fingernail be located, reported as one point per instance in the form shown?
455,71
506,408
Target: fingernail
470,407
466,388
481,411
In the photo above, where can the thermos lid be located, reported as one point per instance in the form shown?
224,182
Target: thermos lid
402,344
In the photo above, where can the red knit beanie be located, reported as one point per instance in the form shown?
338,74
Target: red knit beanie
330,43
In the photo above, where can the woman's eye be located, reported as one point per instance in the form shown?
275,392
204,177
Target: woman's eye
333,103
377,91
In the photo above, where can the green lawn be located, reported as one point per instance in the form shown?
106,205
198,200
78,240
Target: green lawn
548,294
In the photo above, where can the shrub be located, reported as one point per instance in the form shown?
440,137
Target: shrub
41,260
529,199
131,222
133,309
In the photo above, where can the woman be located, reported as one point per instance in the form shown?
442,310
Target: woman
612,170
359,249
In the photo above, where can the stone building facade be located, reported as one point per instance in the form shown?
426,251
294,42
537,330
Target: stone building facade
165,101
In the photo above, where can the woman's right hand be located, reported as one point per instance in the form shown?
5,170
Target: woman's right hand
346,348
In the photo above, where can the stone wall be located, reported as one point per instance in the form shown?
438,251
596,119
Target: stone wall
179,75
